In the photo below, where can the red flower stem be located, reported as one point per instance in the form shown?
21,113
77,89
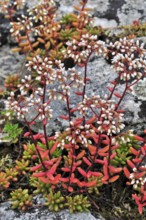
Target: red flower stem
109,153
33,119
72,163
73,146
44,125
98,145
136,81
85,2
124,93
85,81
110,96
85,76
68,108
94,112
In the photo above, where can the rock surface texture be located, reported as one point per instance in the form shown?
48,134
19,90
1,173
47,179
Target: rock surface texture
108,13
111,12
42,214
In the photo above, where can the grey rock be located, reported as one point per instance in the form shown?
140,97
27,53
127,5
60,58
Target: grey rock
111,12
10,63
42,214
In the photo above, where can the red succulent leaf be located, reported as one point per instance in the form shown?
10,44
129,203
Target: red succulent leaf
106,139
117,95
43,140
126,172
138,138
54,167
40,174
56,179
37,136
96,174
73,110
139,175
48,163
114,147
32,123
99,161
45,154
139,202
44,180
64,179
113,155
51,138
36,167
143,150
82,172
114,178
87,161
26,134
136,160
92,149
64,117
103,150
80,155
113,82
120,111
54,147
103,154
49,175
91,120
135,152
79,93
80,184
73,179
142,168
110,89
78,163
64,186
88,79
65,169
115,169
129,162
70,189
91,183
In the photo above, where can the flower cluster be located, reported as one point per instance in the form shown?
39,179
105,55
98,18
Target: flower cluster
109,118
23,24
26,103
55,74
128,59
137,179
81,49
76,134
12,5
42,11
